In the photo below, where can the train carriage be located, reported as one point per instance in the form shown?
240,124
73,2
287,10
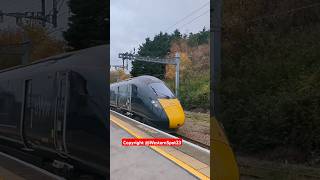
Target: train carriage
56,109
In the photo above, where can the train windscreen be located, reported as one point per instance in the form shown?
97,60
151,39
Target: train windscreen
161,90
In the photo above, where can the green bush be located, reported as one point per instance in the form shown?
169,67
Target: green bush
270,84
194,91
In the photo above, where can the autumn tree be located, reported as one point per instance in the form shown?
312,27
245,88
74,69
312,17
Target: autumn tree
118,75
42,44
194,71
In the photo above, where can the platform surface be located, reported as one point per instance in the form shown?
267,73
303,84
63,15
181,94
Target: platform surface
6,174
15,169
140,162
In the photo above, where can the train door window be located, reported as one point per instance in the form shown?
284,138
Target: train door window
27,117
129,95
134,96
117,96
122,95
61,105
113,95
28,103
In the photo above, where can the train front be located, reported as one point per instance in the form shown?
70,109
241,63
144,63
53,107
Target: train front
172,112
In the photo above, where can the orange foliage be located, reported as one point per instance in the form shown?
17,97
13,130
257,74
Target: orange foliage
118,75
42,45
191,59
185,63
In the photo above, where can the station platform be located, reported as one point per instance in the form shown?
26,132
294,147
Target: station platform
150,162
12,168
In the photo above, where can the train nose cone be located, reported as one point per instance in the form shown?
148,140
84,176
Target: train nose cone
174,112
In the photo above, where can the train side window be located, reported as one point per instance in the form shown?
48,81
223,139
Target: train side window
2,109
112,93
5,107
134,90
123,90
78,84
2,104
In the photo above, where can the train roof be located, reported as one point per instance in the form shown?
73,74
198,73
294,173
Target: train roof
80,57
145,79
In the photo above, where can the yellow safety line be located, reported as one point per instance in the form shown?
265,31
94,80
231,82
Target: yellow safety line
167,155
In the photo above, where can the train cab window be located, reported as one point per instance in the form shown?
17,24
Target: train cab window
161,90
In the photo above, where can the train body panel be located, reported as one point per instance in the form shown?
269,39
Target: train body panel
148,98
58,105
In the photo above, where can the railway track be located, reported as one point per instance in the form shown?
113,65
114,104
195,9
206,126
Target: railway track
191,140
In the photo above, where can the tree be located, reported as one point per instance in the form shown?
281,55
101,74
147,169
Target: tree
158,47
42,45
194,74
270,78
118,75
89,24
199,38
176,35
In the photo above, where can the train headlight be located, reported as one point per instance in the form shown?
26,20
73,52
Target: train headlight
156,104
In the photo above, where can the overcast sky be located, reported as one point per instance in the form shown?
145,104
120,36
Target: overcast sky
10,6
132,21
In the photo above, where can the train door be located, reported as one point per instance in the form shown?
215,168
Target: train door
129,94
117,96
27,115
136,103
61,111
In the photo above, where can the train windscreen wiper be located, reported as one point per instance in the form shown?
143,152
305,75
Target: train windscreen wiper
160,94
164,95
154,91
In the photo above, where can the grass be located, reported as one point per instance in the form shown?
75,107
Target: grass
251,168
196,116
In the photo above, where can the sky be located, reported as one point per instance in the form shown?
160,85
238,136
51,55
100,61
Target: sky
10,6
132,21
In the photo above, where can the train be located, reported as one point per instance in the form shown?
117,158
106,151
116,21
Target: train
55,110
149,100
